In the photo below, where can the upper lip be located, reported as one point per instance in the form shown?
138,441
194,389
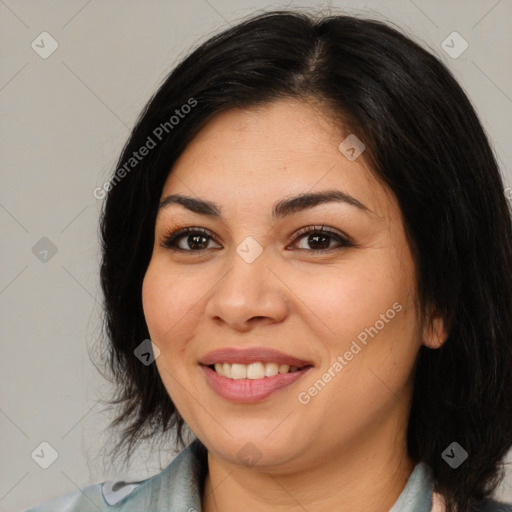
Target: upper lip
251,355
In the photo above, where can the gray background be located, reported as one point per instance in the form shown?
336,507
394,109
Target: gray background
64,121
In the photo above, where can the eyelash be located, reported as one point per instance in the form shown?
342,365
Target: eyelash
170,240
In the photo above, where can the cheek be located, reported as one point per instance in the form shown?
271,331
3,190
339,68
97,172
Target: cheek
172,307
165,306
164,302
371,304
347,302
153,301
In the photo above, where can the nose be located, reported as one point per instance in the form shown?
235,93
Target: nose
249,294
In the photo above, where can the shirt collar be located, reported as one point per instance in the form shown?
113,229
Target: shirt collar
417,493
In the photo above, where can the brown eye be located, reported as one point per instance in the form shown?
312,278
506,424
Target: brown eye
317,238
195,240
188,240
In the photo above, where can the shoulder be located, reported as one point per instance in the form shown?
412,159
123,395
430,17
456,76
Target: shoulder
494,506
180,482
95,498
86,500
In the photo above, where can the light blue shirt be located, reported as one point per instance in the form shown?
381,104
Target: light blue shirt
177,488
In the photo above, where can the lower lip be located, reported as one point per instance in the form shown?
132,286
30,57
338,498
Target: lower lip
250,390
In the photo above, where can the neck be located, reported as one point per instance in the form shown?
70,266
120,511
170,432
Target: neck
344,479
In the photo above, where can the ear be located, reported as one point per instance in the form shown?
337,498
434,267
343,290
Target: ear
434,332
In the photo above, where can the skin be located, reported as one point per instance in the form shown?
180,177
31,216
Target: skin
346,448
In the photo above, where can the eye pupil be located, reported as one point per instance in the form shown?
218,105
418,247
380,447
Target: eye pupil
197,240
313,240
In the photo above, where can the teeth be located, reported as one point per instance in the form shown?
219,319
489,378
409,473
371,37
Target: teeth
253,371
256,371
283,368
226,370
238,371
271,369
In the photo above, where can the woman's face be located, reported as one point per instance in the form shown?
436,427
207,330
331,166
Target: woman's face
337,303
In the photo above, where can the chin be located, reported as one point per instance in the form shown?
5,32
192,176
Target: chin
255,448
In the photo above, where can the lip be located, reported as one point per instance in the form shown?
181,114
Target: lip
251,355
250,390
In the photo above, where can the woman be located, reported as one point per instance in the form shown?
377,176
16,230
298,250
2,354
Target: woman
309,225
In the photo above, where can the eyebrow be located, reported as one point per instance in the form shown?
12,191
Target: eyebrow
280,209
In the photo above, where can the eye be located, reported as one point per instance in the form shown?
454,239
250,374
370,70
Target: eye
187,239
319,239
195,239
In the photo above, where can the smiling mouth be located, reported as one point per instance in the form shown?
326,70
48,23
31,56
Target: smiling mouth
254,371
248,382
250,374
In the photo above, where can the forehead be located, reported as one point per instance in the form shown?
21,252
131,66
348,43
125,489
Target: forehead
248,158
